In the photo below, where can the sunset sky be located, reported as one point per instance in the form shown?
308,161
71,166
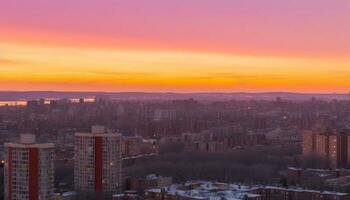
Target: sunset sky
175,45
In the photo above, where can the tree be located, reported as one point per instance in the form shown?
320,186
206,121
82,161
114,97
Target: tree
284,182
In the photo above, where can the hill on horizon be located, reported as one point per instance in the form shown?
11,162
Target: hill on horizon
214,96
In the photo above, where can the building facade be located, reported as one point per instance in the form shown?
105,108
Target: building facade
333,146
309,142
132,146
29,170
97,165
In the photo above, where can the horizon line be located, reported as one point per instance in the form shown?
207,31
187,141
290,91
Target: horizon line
170,92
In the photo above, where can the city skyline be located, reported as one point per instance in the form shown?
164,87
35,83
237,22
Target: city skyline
175,46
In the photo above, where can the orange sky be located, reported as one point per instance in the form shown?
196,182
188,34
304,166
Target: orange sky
55,55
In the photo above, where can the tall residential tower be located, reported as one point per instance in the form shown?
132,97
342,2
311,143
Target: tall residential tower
97,166
29,170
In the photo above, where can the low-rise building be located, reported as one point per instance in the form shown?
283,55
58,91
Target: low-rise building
210,190
139,185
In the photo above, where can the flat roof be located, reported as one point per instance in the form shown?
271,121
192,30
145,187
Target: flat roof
86,134
34,145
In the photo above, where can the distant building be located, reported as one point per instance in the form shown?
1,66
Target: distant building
338,177
338,150
32,104
309,142
29,170
219,140
97,165
206,147
322,145
329,145
139,185
127,196
132,146
164,114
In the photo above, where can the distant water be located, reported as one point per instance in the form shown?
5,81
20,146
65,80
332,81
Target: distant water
13,103
47,101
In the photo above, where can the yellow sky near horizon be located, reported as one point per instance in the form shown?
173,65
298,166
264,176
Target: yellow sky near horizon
54,67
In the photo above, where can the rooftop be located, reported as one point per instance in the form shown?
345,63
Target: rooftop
216,190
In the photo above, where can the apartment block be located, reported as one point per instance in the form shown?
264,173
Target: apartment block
29,170
97,166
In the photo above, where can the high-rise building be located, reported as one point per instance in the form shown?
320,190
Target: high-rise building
309,142
322,145
338,150
332,146
164,114
29,170
97,166
348,151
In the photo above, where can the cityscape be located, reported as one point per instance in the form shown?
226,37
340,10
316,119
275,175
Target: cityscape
119,149
174,100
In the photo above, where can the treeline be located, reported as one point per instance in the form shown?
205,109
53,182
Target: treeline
255,165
